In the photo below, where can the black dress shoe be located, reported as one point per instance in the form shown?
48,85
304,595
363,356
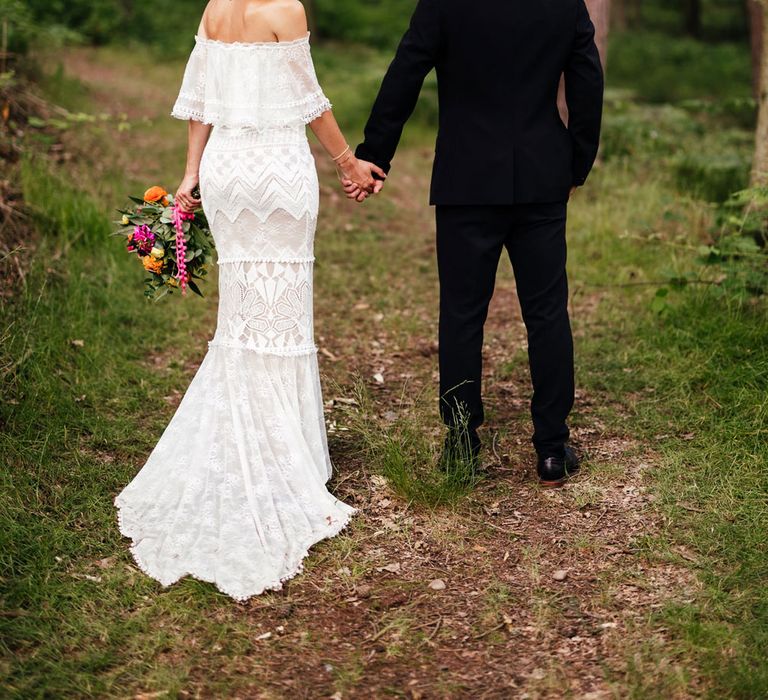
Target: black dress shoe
461,452
555,471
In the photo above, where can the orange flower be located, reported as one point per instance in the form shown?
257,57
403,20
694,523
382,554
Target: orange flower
156,194
151,264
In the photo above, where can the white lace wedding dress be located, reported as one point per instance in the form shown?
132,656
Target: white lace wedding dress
234,493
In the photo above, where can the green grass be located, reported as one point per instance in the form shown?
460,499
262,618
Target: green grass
693,382
405,454
699,378
82,402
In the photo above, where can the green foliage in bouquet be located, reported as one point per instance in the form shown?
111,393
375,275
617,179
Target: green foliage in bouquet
150,231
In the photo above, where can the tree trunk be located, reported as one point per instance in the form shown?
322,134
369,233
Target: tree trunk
756,34
600,12
619,19
693,18
309,6
760,164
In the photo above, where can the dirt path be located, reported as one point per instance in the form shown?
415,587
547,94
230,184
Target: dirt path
546,593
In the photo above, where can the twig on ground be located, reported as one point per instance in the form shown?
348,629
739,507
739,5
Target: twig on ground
501,625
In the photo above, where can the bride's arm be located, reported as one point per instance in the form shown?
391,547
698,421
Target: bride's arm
197,138
350,168
289,24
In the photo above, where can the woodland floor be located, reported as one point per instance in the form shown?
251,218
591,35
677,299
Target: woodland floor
366,619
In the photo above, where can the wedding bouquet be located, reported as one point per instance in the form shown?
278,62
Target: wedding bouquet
174,246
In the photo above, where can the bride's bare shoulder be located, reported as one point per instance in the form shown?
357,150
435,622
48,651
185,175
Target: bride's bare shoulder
286,18
254,20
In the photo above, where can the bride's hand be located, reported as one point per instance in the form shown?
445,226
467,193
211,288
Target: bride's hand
184,195
360,172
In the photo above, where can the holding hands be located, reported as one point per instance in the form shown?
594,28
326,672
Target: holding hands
357,176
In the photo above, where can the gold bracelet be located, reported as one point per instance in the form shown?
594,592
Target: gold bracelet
342,154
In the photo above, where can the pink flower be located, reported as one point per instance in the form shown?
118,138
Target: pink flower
142,239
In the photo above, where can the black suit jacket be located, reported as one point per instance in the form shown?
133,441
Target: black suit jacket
499,62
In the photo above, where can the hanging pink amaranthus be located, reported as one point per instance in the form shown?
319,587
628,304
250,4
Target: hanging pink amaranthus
179,217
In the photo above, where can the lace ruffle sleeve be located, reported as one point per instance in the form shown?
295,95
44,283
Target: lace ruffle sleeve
190,103
251,85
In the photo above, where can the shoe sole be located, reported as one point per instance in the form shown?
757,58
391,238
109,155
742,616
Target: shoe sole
560,482
552,484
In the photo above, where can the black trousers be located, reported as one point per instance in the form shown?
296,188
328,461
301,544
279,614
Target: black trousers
470,240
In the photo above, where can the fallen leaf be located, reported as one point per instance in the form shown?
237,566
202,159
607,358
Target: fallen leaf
393,568
378,378
261,637
344,401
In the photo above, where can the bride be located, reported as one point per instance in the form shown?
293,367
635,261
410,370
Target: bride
234,492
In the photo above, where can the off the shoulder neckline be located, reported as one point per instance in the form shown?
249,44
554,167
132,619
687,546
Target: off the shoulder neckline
252,44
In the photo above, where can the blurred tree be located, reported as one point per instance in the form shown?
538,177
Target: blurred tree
756,33
760,163
692,10
309,6
620,18
600,12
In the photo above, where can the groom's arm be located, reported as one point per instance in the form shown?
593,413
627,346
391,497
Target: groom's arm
399,91
584,95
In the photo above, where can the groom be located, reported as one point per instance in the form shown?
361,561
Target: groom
505,167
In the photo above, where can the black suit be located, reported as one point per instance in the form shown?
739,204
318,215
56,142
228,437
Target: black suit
504,166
